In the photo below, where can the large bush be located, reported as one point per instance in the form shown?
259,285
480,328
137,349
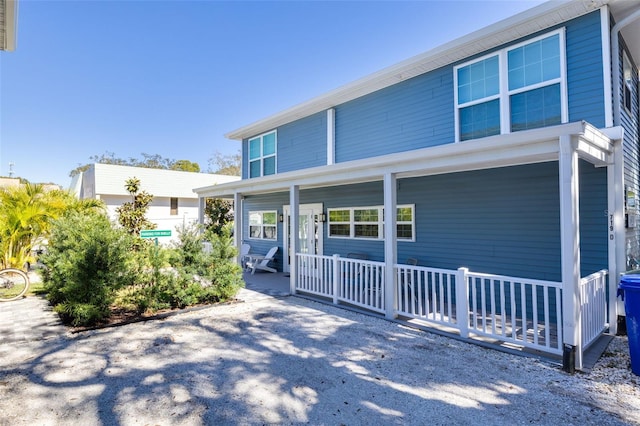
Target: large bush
87,261
186,274
92,266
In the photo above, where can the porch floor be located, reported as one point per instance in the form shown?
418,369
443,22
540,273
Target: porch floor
278,285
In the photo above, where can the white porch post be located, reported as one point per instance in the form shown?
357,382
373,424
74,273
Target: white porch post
237,222
615,222
201,205
294,244
390,243
570,254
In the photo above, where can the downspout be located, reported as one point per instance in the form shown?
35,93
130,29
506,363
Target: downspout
615,53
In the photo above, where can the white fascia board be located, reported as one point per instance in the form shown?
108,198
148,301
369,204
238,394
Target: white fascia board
521,25
526,147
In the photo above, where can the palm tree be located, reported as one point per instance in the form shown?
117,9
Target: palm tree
26,214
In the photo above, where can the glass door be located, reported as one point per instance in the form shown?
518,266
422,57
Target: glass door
309,231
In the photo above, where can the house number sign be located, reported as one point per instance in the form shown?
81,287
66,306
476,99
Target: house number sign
611,227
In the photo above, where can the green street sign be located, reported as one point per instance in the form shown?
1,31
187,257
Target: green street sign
154,233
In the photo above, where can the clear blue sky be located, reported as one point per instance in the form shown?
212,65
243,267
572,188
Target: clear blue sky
171,77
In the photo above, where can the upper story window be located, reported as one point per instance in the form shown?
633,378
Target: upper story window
627,75
262,155
517,88
368,222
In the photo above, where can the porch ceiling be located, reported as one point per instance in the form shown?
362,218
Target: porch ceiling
527,147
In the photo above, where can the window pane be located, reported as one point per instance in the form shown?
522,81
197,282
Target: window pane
339,216
366,231
404,214
270,232
254,168
536,108
480,120
255,218
269,144
534,63
254,148
368,215
269,166
255,231
478,80
339,230
269,218
405,231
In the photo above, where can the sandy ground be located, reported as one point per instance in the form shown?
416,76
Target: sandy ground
294,361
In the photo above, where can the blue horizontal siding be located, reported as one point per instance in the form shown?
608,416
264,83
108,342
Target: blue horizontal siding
367,194
585,79
303,143
413,114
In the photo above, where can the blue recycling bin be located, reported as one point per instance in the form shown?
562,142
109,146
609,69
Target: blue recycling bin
630,289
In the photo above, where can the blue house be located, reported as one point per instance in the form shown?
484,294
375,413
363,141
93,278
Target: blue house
488,186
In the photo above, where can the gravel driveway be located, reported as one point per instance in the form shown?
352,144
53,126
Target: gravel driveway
293,361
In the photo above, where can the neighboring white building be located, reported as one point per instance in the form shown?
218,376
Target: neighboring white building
174,201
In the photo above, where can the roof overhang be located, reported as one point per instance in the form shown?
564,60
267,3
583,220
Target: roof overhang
527,147
621,9
521,25
8,16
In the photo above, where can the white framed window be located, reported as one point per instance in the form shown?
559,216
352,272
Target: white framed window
263,225
262,155
627,76
368,222
517,88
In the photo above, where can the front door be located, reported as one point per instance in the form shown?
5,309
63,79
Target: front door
309,231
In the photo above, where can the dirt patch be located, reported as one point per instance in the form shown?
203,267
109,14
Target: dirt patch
121,316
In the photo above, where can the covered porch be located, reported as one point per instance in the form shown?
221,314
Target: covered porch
560,316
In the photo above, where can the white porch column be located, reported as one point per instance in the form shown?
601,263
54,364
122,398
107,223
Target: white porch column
390,242
237,222
616,228
570,254
294,244
202,201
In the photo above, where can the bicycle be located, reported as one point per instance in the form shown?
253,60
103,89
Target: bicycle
14,283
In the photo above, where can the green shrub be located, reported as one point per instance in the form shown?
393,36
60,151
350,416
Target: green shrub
87,261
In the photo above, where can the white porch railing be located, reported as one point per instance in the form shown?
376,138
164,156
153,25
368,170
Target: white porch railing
522,311
426,293
593,309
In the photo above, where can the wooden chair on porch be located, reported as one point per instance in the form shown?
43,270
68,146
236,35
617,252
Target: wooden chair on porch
255,261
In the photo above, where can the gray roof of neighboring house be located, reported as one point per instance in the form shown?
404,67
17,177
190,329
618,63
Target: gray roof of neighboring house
110,180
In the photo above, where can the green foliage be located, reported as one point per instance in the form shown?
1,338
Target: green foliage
86,262
222,245
149,161
226,164
26,214
185,166
217,214
132,214
91,267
